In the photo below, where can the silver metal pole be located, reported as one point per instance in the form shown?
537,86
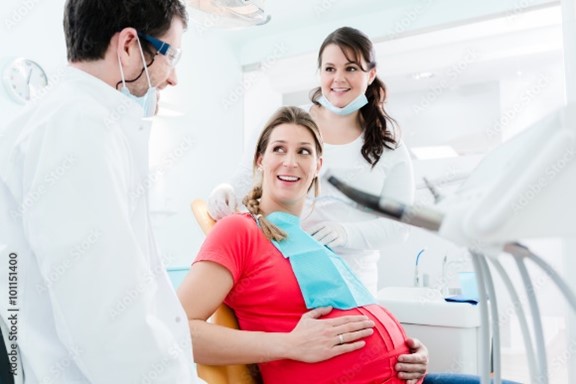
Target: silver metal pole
485,317
495,319
522,319
542,364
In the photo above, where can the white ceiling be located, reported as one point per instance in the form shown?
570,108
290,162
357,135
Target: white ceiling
481,51
486,41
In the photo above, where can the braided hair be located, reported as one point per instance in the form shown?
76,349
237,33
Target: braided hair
284,115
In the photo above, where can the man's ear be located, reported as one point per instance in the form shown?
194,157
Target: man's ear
127,47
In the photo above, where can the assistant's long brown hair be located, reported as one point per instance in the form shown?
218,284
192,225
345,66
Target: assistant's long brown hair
284,115
380,130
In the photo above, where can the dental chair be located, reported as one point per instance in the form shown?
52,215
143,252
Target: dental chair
224,316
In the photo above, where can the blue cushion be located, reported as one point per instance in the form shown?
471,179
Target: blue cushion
177,275
455,378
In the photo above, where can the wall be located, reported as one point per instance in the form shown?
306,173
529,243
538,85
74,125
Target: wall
31,29
203,141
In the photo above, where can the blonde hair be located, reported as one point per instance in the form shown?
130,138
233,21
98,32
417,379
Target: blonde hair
284,115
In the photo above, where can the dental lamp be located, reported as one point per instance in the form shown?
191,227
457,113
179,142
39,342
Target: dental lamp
523,189
227,13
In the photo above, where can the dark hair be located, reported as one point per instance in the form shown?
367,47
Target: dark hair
284,115
380,130
90,24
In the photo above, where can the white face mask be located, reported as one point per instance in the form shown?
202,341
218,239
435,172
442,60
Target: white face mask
149,100
352,107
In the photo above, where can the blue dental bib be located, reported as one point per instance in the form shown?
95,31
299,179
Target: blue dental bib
324,278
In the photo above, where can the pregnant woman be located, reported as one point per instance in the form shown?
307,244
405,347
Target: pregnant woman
304,316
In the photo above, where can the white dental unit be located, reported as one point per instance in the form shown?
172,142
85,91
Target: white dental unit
524,189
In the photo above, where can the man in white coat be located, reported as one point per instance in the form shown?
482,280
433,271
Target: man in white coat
84,296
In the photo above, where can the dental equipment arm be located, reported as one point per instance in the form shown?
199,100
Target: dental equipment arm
530,176
418,216
352,229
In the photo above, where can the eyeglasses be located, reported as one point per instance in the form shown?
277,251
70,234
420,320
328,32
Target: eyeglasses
172,54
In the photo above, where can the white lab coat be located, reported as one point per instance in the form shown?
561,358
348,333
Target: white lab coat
94,303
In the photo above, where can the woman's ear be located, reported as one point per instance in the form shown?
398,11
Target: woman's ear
259,161
371,75
319,166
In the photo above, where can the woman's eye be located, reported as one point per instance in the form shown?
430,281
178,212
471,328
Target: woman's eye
305,151
351,69
329,69
278,149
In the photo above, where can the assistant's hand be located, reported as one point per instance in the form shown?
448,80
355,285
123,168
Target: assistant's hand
222,202
329,233
315,339
413,366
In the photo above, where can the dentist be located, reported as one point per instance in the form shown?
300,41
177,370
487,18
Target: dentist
92,299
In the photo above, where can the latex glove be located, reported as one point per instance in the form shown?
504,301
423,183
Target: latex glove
413,367
329,233
222,202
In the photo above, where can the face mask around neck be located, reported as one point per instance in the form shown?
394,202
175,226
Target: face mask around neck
352,107
149,100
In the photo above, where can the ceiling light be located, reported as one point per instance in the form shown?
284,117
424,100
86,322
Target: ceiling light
433,152
227,13
423,75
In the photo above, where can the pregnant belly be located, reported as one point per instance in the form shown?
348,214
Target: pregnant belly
374,363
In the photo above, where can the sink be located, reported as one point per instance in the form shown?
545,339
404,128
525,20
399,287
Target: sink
419,305
450,331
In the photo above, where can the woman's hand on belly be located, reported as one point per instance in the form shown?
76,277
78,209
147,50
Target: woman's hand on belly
314,339
413,367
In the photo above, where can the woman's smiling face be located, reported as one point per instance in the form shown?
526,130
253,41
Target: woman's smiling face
342,80
289,165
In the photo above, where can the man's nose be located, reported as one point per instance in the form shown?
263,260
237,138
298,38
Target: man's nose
172,77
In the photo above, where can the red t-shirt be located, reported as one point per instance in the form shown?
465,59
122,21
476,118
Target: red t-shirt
266,297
